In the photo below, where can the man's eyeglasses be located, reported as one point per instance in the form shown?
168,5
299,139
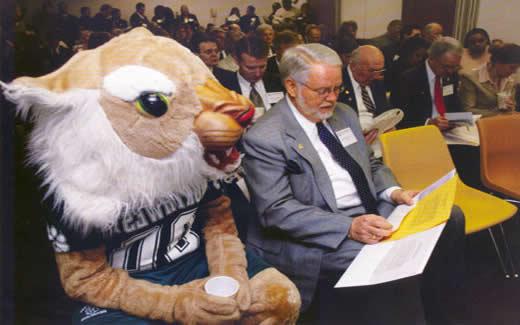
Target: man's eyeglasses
377,72
323,92
450,67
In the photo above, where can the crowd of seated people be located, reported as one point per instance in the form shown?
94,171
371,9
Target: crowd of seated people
411,67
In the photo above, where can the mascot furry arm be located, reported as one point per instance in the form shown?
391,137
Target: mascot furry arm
128,138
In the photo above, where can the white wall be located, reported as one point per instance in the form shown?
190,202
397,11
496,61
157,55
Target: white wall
500,18
199,7
372,16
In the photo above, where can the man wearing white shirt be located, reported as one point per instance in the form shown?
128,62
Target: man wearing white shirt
429,90
321,195
363,88
251,55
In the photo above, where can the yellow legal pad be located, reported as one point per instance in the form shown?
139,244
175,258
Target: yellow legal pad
430,211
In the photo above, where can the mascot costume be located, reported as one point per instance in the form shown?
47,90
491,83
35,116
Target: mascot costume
132,140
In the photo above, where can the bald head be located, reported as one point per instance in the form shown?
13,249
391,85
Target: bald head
432,32
367,64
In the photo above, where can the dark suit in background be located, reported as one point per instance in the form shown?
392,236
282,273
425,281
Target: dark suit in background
415,100
272,75
377,87
229,80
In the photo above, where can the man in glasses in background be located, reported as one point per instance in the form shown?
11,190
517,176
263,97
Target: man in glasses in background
363,88
429,90
321,195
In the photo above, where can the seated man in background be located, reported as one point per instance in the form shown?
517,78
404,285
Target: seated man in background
430,90
389,42
283,41
363,88
321,195
251,55
205,47
312,34
432,32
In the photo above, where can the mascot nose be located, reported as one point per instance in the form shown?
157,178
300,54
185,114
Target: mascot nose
243,114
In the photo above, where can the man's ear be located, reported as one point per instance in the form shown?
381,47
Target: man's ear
290,86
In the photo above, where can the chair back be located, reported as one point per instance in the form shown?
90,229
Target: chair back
500,152
417,156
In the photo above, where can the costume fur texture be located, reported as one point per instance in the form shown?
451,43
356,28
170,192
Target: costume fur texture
101,158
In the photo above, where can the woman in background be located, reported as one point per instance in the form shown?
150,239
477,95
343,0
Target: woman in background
233,17
476,49
490,90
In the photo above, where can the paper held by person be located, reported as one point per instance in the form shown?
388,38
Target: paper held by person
406,252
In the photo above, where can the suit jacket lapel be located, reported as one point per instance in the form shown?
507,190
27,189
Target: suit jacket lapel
338,124
236,84
424,87
347,94
297,139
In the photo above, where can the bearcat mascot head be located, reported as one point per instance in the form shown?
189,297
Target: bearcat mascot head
129,138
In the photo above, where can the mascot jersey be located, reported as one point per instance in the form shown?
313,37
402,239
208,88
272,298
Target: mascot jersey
129,139
144,239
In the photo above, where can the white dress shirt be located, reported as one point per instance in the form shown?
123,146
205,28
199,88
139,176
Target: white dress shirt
245,87
431,83
343,186
366,119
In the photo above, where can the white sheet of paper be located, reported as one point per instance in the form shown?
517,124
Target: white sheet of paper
460,117
393,260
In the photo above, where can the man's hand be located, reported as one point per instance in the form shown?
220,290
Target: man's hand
369,228
441,122
510,104
371,136
403,197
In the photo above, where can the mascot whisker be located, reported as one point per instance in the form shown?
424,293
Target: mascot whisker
132,140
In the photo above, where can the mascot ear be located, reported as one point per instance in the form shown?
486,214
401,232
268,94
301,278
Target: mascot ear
39,101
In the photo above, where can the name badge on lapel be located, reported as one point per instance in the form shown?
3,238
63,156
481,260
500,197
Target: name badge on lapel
447,90
346,137
274,97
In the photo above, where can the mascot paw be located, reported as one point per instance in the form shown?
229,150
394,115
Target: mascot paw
194,306
276,300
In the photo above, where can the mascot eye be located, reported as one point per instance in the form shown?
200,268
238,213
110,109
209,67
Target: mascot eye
152,104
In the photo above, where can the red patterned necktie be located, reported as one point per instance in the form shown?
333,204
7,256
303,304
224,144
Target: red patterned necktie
439,100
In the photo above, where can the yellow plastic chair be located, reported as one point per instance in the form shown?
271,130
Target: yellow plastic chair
500,154
419,156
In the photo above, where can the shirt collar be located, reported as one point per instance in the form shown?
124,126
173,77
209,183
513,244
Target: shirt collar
242,81
308,126
429,71
355,84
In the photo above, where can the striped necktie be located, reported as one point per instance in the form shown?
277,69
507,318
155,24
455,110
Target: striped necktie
343,158
367,101
255,97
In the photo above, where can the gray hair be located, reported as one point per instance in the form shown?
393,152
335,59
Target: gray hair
261,28
297,61
444,45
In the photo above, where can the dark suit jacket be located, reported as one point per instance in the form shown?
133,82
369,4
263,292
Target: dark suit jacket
347,94
137,21
272,75
229,80
298,220
415,100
